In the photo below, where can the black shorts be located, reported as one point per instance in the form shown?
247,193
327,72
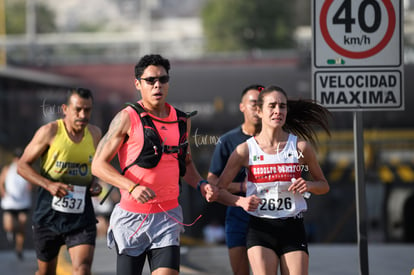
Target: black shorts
168,257
47,242
280,235
15,212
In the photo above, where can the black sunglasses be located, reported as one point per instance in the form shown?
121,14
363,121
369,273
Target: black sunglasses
152,79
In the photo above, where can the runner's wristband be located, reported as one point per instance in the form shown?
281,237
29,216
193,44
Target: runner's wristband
199,184
133,188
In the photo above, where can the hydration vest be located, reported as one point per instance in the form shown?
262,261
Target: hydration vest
154,147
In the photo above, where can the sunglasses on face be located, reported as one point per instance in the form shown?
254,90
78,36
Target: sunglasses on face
152,79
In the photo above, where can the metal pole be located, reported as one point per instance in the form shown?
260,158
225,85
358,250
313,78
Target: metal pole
360,193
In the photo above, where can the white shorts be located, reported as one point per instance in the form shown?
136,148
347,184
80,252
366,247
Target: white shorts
133,236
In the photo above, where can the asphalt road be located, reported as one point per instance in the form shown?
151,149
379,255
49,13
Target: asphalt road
338,259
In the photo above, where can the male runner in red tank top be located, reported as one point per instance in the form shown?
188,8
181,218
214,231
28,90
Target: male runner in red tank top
148,220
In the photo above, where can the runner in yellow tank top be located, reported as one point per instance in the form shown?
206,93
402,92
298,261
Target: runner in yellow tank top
68,161
63,213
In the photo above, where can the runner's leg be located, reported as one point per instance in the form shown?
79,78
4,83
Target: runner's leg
46,268
8,225
20,232
81,257
294,263
165,260
263,260
239,260
129,265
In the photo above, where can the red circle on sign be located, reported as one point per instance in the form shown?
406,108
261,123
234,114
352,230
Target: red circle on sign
334,46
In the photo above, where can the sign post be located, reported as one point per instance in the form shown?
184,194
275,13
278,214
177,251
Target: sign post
357,65
360,194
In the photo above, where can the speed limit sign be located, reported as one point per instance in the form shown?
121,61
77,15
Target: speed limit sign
353,33
357,55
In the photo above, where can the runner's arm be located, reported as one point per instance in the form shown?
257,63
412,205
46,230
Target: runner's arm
107,149
233,187
36,147
95,189
238,159
3,180
318,185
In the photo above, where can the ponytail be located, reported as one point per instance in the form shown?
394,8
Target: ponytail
302,116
